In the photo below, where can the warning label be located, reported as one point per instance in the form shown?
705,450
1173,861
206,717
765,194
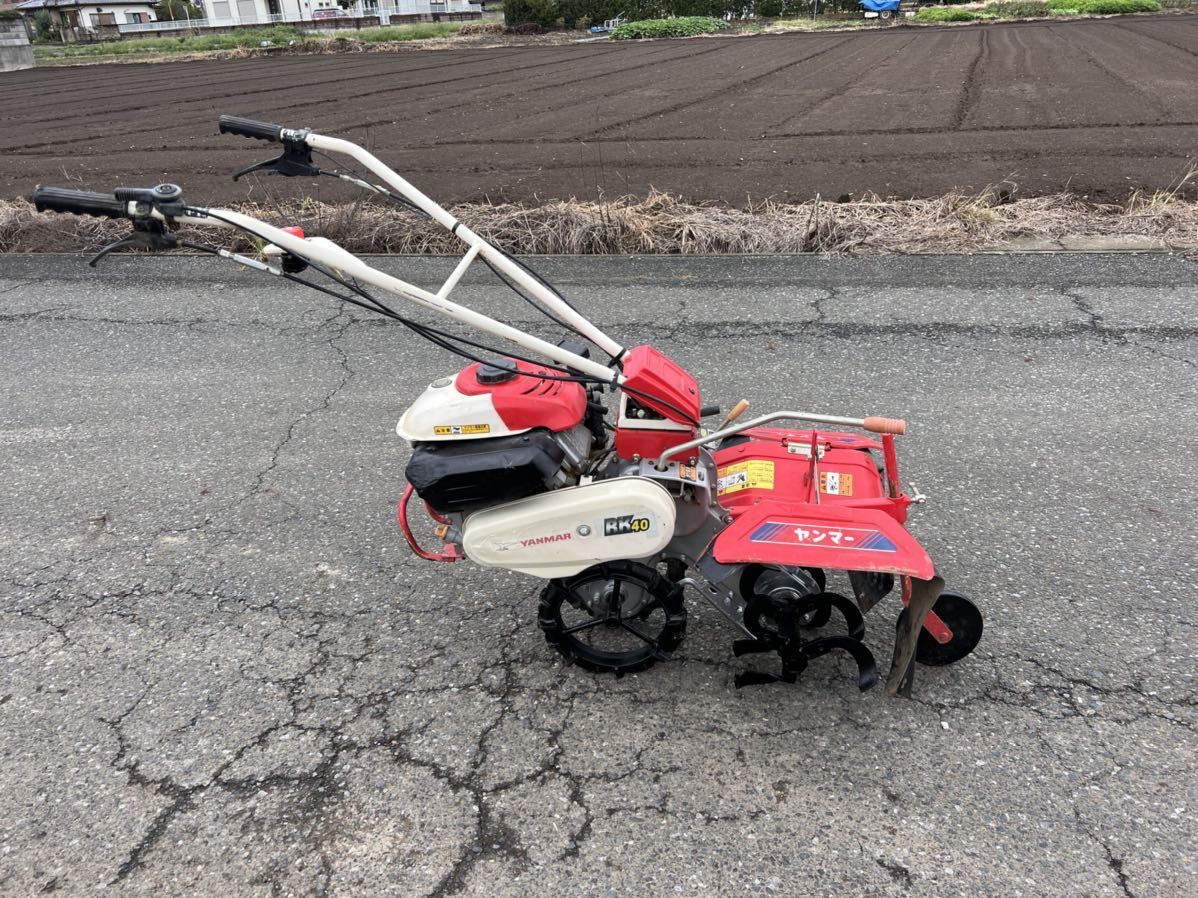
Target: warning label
835,483
756,474
446,430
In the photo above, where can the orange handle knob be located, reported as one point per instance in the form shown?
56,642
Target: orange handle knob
886,425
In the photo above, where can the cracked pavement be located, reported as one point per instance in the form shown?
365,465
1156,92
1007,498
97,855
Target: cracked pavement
221,672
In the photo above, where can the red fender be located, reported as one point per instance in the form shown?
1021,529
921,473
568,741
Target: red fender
823,536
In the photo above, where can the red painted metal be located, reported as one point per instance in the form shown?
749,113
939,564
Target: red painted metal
647,443
449,553
662,381
794,480
823,536
932,623
890,461
529,400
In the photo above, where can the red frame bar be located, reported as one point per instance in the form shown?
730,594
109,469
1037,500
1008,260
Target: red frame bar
449,553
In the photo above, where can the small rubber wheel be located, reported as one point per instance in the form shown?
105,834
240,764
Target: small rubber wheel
962,617
617,617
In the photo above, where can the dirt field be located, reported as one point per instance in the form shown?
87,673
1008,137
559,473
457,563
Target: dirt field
1099,106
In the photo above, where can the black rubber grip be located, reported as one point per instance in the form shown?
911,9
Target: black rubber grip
248,127
80,202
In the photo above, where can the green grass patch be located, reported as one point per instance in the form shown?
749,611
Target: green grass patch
683,26
808,24
414,32
1118,7
242,38
945,14
1103,7
1017,9
249,37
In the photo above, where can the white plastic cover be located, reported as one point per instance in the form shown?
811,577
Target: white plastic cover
561,533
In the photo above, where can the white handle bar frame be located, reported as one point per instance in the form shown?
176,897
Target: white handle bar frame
330,255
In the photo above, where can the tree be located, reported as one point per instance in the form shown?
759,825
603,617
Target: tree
176,10
543,12
42,23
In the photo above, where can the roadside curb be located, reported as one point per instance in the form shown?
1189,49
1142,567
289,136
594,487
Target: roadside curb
1128,244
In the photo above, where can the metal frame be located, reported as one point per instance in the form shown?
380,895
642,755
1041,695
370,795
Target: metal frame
836,420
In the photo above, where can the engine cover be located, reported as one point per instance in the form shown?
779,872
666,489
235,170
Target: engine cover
560,533
500,398
469,474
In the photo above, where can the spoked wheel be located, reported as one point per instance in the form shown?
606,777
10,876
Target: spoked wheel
962,617
617,617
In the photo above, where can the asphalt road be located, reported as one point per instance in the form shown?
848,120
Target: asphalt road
223,674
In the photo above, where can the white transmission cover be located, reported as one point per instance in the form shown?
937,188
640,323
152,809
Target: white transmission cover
560,533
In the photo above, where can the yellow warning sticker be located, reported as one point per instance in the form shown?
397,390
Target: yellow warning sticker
835,483
453,430
755,474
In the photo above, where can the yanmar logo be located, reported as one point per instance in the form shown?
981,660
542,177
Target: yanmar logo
550,538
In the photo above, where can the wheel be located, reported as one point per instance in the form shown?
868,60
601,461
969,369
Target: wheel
617,617
962,617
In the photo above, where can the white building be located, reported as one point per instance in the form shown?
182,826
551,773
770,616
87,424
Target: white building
82,20
327,13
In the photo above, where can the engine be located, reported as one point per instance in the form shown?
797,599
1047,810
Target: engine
491,435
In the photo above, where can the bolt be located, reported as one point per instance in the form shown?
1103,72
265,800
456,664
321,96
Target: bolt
584,530
636,458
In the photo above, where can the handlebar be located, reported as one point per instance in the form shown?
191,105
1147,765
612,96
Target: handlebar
248,127
873,424
79,202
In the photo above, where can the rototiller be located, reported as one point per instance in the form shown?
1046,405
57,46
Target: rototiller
518,461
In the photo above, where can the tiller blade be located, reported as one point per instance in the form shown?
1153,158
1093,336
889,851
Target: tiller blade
777,622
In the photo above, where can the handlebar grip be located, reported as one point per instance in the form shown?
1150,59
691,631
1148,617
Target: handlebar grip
886,425
80,202
248,127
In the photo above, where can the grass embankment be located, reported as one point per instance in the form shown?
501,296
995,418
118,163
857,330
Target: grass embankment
1034,9
243,39
662,224
683,26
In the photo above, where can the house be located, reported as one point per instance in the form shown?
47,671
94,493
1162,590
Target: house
89,20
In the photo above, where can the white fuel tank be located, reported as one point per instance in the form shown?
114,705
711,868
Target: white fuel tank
560,533
445,413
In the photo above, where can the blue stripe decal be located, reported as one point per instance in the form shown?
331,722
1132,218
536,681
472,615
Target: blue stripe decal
764,532
878,542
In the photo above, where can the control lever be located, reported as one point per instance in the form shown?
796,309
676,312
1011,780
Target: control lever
148,234
736,412
295,161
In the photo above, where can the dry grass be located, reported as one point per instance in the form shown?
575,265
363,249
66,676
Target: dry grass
662,224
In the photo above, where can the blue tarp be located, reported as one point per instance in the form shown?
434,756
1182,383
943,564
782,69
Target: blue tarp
879,5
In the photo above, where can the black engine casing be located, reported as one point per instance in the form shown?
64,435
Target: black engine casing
466,475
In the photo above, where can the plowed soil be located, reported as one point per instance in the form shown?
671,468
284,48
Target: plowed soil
1101,107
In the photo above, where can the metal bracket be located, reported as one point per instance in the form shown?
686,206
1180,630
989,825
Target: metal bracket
723,598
